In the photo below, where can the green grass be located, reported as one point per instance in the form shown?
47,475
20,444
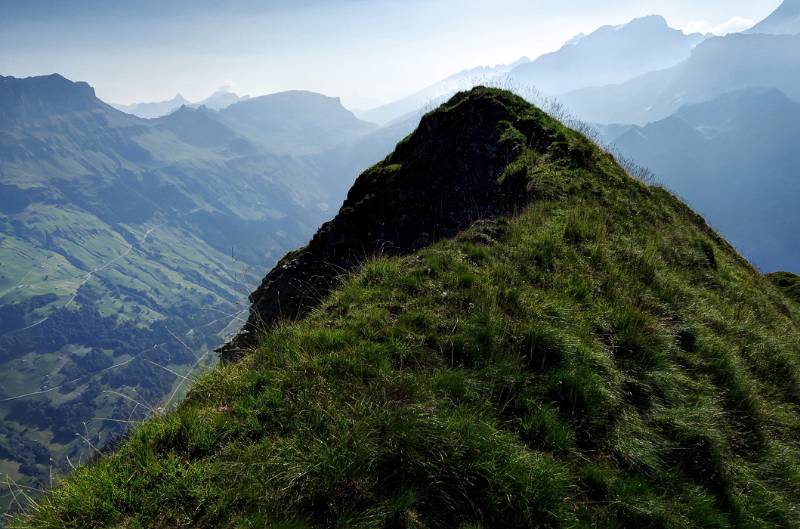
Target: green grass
600,360
788,282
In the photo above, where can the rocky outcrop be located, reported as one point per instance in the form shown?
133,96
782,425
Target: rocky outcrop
438,181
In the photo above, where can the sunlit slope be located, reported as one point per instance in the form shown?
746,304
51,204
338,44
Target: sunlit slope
597,358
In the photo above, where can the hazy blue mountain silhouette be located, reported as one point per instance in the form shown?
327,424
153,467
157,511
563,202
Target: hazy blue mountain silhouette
154,109
34,98
611,54
220,99
202,127
716,66
295,122
735,159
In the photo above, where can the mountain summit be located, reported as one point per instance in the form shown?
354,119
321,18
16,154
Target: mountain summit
406,202
520,335
295,122
45,96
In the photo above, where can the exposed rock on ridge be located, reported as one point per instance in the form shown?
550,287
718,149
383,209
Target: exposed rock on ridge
436,183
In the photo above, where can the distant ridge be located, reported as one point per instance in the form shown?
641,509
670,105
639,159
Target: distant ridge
610,54
219,100
154,109
296,121
715,66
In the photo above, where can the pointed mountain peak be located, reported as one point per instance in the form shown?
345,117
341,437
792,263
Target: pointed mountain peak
396,207
642,29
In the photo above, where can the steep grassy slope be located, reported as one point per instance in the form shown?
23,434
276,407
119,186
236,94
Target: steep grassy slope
598,359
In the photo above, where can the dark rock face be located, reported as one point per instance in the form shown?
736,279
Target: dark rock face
438,181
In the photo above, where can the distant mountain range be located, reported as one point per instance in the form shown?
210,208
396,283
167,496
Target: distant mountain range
124,239
734,158
220,99
610,54
154,109
720,129
716,66
295,122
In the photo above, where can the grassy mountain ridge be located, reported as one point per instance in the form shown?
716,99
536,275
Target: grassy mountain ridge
406,203
597,358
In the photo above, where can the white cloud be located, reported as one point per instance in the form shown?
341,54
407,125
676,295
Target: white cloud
733,25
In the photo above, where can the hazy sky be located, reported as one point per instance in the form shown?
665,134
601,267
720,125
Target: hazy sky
366,51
